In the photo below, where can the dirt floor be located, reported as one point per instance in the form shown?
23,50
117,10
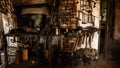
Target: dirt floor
98,64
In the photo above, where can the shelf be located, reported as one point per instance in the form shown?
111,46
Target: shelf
19,34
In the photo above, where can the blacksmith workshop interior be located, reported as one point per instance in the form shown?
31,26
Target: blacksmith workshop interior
59,33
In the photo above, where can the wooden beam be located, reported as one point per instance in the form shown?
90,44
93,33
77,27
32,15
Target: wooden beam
1,22
109,29
116,34
28,2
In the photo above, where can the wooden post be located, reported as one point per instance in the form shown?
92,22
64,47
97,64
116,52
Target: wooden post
106,35
109,27
5,50
49,50
4,41
1,22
